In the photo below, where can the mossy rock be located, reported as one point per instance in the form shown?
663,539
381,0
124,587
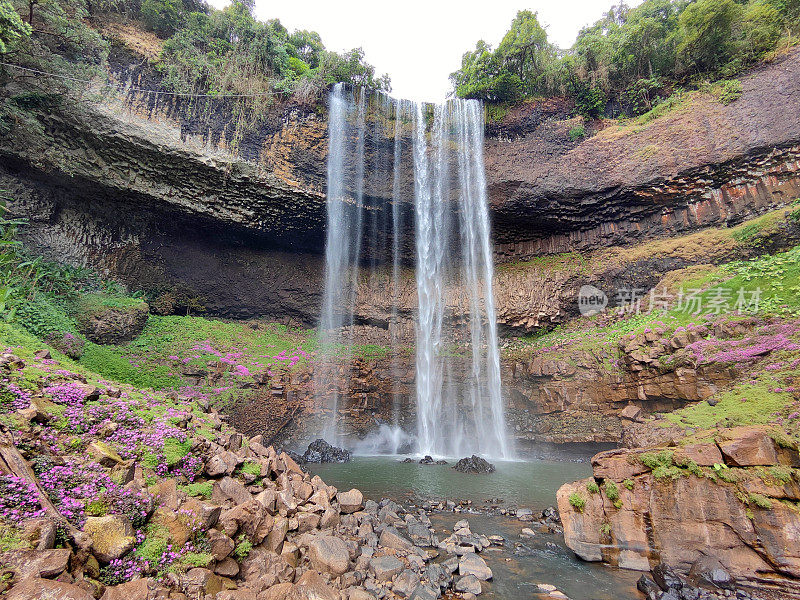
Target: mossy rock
110,320
112,536
104,454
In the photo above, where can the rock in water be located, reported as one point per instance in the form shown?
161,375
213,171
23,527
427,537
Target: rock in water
474,464
428,460
320,451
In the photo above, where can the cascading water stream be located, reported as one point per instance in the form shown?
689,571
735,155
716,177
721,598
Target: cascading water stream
459,405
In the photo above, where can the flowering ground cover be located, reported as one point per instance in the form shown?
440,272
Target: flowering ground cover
765,351
171,347
88,430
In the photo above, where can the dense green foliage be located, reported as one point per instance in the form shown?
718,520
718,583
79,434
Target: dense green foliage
12,27
229,51
633,58
205,51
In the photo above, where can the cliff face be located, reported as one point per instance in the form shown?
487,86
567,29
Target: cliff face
169,197
635,513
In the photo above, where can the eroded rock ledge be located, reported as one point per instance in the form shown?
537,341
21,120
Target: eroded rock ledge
732,495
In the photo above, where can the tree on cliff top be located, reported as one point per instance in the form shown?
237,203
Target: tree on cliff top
631,56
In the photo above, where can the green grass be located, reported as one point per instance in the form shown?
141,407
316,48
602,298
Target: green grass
654,460
196,559
745,404
93,302
251,468
202,489
111,363
175,450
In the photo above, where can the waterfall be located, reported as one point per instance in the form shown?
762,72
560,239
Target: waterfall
459,408
342,248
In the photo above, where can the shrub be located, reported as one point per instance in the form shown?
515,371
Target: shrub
43,318
162,16
196,559
605,529
672,472
592,487
730,91
590,102
694,469
612,491
12,27
781,474
251,468
628,483
577,132
67,343
577,501
243,548
653,460
175,450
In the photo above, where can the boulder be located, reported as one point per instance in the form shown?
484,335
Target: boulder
705,455
472,564
34,588
277,535
229,488
425,592
220,544
329,554
307,522
666,578
208,514
385,567
391,538
631,413
707,571
111,324
263,569
350,502
199,581
227,567
112,536
748,447
250,519
36,563
320,451
39,532
223,463
104,454
330,518
405,583
469,584
311,586
474,464
138,589
286,503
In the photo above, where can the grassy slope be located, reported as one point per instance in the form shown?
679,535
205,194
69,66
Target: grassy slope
769,387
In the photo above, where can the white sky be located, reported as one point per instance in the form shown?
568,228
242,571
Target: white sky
420,42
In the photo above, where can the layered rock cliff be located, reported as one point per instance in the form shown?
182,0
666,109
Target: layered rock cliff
733,498
232,206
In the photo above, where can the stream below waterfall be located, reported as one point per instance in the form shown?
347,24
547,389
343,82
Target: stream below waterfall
521,563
